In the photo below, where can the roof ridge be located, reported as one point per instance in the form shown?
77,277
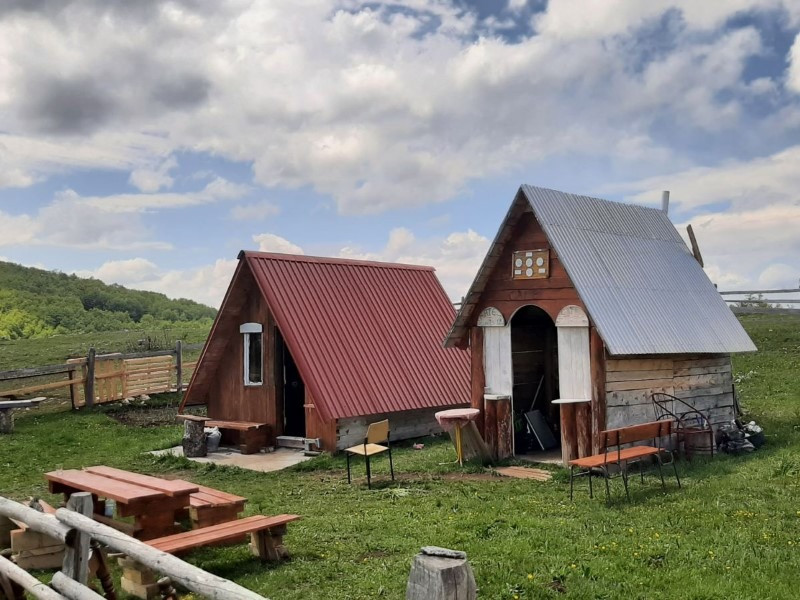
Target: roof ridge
595,198
331,260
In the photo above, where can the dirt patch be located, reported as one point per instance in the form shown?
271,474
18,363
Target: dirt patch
146,417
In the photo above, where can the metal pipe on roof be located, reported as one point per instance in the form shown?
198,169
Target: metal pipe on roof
665,201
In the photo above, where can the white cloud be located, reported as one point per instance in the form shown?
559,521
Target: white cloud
152,179
455,257
756,182
377,108
206,284
128,272
71,222
583,18
217,189
746,215
793,71
780,276
255,212
269,242
17,229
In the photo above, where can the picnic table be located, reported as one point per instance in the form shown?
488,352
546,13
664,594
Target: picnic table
152,502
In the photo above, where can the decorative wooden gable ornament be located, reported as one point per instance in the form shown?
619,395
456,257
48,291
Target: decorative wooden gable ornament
491,317
530,264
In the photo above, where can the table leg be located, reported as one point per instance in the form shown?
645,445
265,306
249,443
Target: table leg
459,452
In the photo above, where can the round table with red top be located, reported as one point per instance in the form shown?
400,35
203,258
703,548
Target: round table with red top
456,418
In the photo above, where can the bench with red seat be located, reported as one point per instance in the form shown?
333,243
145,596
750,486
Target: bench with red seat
614,454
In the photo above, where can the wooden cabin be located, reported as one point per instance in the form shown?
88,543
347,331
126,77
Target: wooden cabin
317,348
580,311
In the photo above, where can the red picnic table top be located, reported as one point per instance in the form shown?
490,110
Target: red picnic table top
152,501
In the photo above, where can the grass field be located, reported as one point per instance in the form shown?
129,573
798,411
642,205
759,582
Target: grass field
733,531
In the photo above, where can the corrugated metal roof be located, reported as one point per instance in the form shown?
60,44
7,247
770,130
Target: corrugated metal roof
643,289
365,335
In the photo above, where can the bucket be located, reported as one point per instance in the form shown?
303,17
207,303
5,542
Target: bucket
698,441
213,437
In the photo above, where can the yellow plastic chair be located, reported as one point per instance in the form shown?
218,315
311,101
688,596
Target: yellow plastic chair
376,433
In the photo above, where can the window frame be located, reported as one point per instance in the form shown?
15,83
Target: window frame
248,329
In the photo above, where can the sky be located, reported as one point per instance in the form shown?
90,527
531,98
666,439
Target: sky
145,143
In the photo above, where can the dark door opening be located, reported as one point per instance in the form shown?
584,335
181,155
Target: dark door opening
294,396
534,352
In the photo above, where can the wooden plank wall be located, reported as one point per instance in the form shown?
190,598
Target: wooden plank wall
402,425
705,382
507,294
228,398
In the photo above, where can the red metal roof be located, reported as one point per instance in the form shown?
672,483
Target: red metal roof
366,336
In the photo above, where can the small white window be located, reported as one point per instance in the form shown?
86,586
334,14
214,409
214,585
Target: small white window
253,353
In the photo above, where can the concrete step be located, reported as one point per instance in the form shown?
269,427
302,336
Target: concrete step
289,441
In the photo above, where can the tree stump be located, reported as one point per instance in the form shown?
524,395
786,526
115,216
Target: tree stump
194,438
6,420
441,574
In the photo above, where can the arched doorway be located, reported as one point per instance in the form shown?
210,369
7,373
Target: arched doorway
534,355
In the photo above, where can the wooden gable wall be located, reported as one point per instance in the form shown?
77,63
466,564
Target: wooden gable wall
507,294
228,398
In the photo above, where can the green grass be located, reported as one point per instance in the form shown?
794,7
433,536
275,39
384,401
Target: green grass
733,531
17,354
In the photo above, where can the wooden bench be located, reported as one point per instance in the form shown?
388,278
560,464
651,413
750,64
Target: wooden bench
266,542
7,408
613,440
208,506
252,436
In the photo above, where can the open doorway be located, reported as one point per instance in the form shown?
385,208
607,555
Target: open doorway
534,352
292,394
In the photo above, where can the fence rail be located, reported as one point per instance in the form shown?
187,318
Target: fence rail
100,378
76,530
755,306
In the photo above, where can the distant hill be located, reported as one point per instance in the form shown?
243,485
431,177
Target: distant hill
38,303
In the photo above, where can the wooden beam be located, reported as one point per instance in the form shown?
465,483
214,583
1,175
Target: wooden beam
88,385
478,378
27,581
695,246
597,359
33,519
72,589
38,371
191,577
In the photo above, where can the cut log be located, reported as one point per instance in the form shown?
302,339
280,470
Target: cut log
441,574
6,420
194,439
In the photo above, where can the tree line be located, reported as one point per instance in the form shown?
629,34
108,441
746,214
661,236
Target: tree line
39,303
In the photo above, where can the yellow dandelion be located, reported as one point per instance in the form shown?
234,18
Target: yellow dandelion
530,576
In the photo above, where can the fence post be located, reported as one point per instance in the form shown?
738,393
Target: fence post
179,365
76,551
88,388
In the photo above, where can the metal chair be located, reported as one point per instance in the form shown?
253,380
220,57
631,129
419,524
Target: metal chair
691,423
376,433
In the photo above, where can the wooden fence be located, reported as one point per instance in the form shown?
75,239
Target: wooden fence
81,536
101,378
754,303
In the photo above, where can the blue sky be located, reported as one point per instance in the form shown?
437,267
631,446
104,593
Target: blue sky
178,133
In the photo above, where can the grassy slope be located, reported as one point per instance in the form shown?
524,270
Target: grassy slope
732,532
